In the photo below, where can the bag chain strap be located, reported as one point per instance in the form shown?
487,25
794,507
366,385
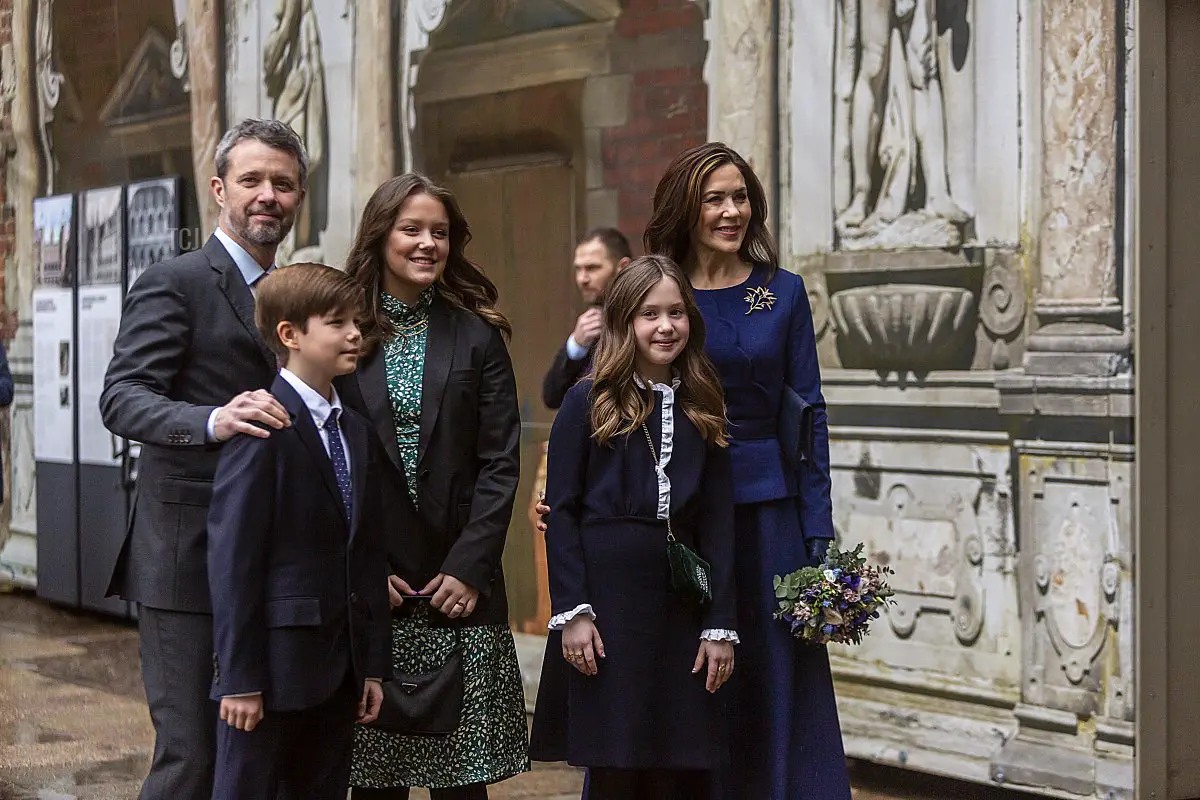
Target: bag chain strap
653,452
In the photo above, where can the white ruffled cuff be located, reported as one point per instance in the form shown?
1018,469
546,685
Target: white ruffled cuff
720,635
559,621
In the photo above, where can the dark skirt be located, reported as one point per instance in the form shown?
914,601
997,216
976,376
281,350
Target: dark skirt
786,738
645,709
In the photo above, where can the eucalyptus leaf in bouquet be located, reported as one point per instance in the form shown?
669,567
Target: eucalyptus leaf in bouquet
834,601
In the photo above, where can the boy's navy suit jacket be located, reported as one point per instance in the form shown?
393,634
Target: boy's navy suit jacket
299,595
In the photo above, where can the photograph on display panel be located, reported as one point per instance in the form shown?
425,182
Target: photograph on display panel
53,239
103,236
152,224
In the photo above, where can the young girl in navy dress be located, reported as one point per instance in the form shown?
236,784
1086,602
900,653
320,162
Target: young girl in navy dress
642,441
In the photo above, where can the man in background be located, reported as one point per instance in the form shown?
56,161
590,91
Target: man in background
600,254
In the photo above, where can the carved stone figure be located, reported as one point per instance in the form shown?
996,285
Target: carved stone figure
294,73
894,140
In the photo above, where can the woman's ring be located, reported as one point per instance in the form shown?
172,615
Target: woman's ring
720,668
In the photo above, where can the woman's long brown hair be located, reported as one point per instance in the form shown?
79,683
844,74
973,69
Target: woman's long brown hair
462,284
619,407
678,198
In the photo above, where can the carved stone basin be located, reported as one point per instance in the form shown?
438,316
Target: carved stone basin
904,326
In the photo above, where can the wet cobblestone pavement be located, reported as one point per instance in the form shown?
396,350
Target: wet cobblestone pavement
74,726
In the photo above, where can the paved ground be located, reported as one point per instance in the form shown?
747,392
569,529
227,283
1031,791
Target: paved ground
73,724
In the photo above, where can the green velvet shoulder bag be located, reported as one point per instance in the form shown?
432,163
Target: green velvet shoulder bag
690,574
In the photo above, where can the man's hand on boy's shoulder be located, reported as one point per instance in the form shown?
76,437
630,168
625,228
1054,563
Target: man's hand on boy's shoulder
241,413
243,712
372,699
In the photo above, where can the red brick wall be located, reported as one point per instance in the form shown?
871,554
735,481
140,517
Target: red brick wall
661,42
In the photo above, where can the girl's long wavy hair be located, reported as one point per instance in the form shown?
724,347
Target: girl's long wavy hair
619,406
462,284
680,194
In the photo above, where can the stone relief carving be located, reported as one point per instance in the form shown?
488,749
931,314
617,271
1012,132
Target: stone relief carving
294,73
49,85
8,76
1002,310
891,167
421,18
179,55
1076,580
818,301
937,550
179,50
904,326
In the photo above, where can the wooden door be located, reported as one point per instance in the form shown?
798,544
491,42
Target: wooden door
521,213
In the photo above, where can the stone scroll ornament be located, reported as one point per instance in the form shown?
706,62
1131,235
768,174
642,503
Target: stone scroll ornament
1002,309
421,19
49,85
891,137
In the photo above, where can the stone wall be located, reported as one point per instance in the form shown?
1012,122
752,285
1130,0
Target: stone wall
952,188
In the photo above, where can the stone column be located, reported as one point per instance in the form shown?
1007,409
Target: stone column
1078,301
375,144
1070,408
205,77
741,75
19,555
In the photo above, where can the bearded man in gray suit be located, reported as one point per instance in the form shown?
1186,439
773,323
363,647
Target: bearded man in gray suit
189,371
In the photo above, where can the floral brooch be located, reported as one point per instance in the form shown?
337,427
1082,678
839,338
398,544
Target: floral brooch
759,299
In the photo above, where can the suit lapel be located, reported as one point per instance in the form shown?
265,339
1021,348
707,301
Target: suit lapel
306,429
234,287
356,442
372,384
439,356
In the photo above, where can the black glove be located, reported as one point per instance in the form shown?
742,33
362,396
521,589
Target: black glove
817,548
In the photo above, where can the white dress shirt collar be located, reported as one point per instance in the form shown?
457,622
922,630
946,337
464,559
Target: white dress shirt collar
318,406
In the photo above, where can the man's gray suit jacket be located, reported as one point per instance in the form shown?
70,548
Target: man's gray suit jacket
187,344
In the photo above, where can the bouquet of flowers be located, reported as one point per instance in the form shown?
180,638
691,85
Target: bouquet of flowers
834,601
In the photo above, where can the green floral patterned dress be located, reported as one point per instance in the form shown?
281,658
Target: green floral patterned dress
491,742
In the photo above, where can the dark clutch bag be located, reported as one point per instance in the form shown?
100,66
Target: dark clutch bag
424,704
690,574
795,428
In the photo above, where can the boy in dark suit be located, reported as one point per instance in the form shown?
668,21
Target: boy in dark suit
296,560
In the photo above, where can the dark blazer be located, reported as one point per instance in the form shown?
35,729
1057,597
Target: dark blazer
564,373
299,593
187,344
469,457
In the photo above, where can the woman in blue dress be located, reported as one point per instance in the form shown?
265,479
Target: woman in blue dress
710,217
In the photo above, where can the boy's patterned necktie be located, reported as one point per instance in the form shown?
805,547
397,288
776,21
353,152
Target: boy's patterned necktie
337,454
